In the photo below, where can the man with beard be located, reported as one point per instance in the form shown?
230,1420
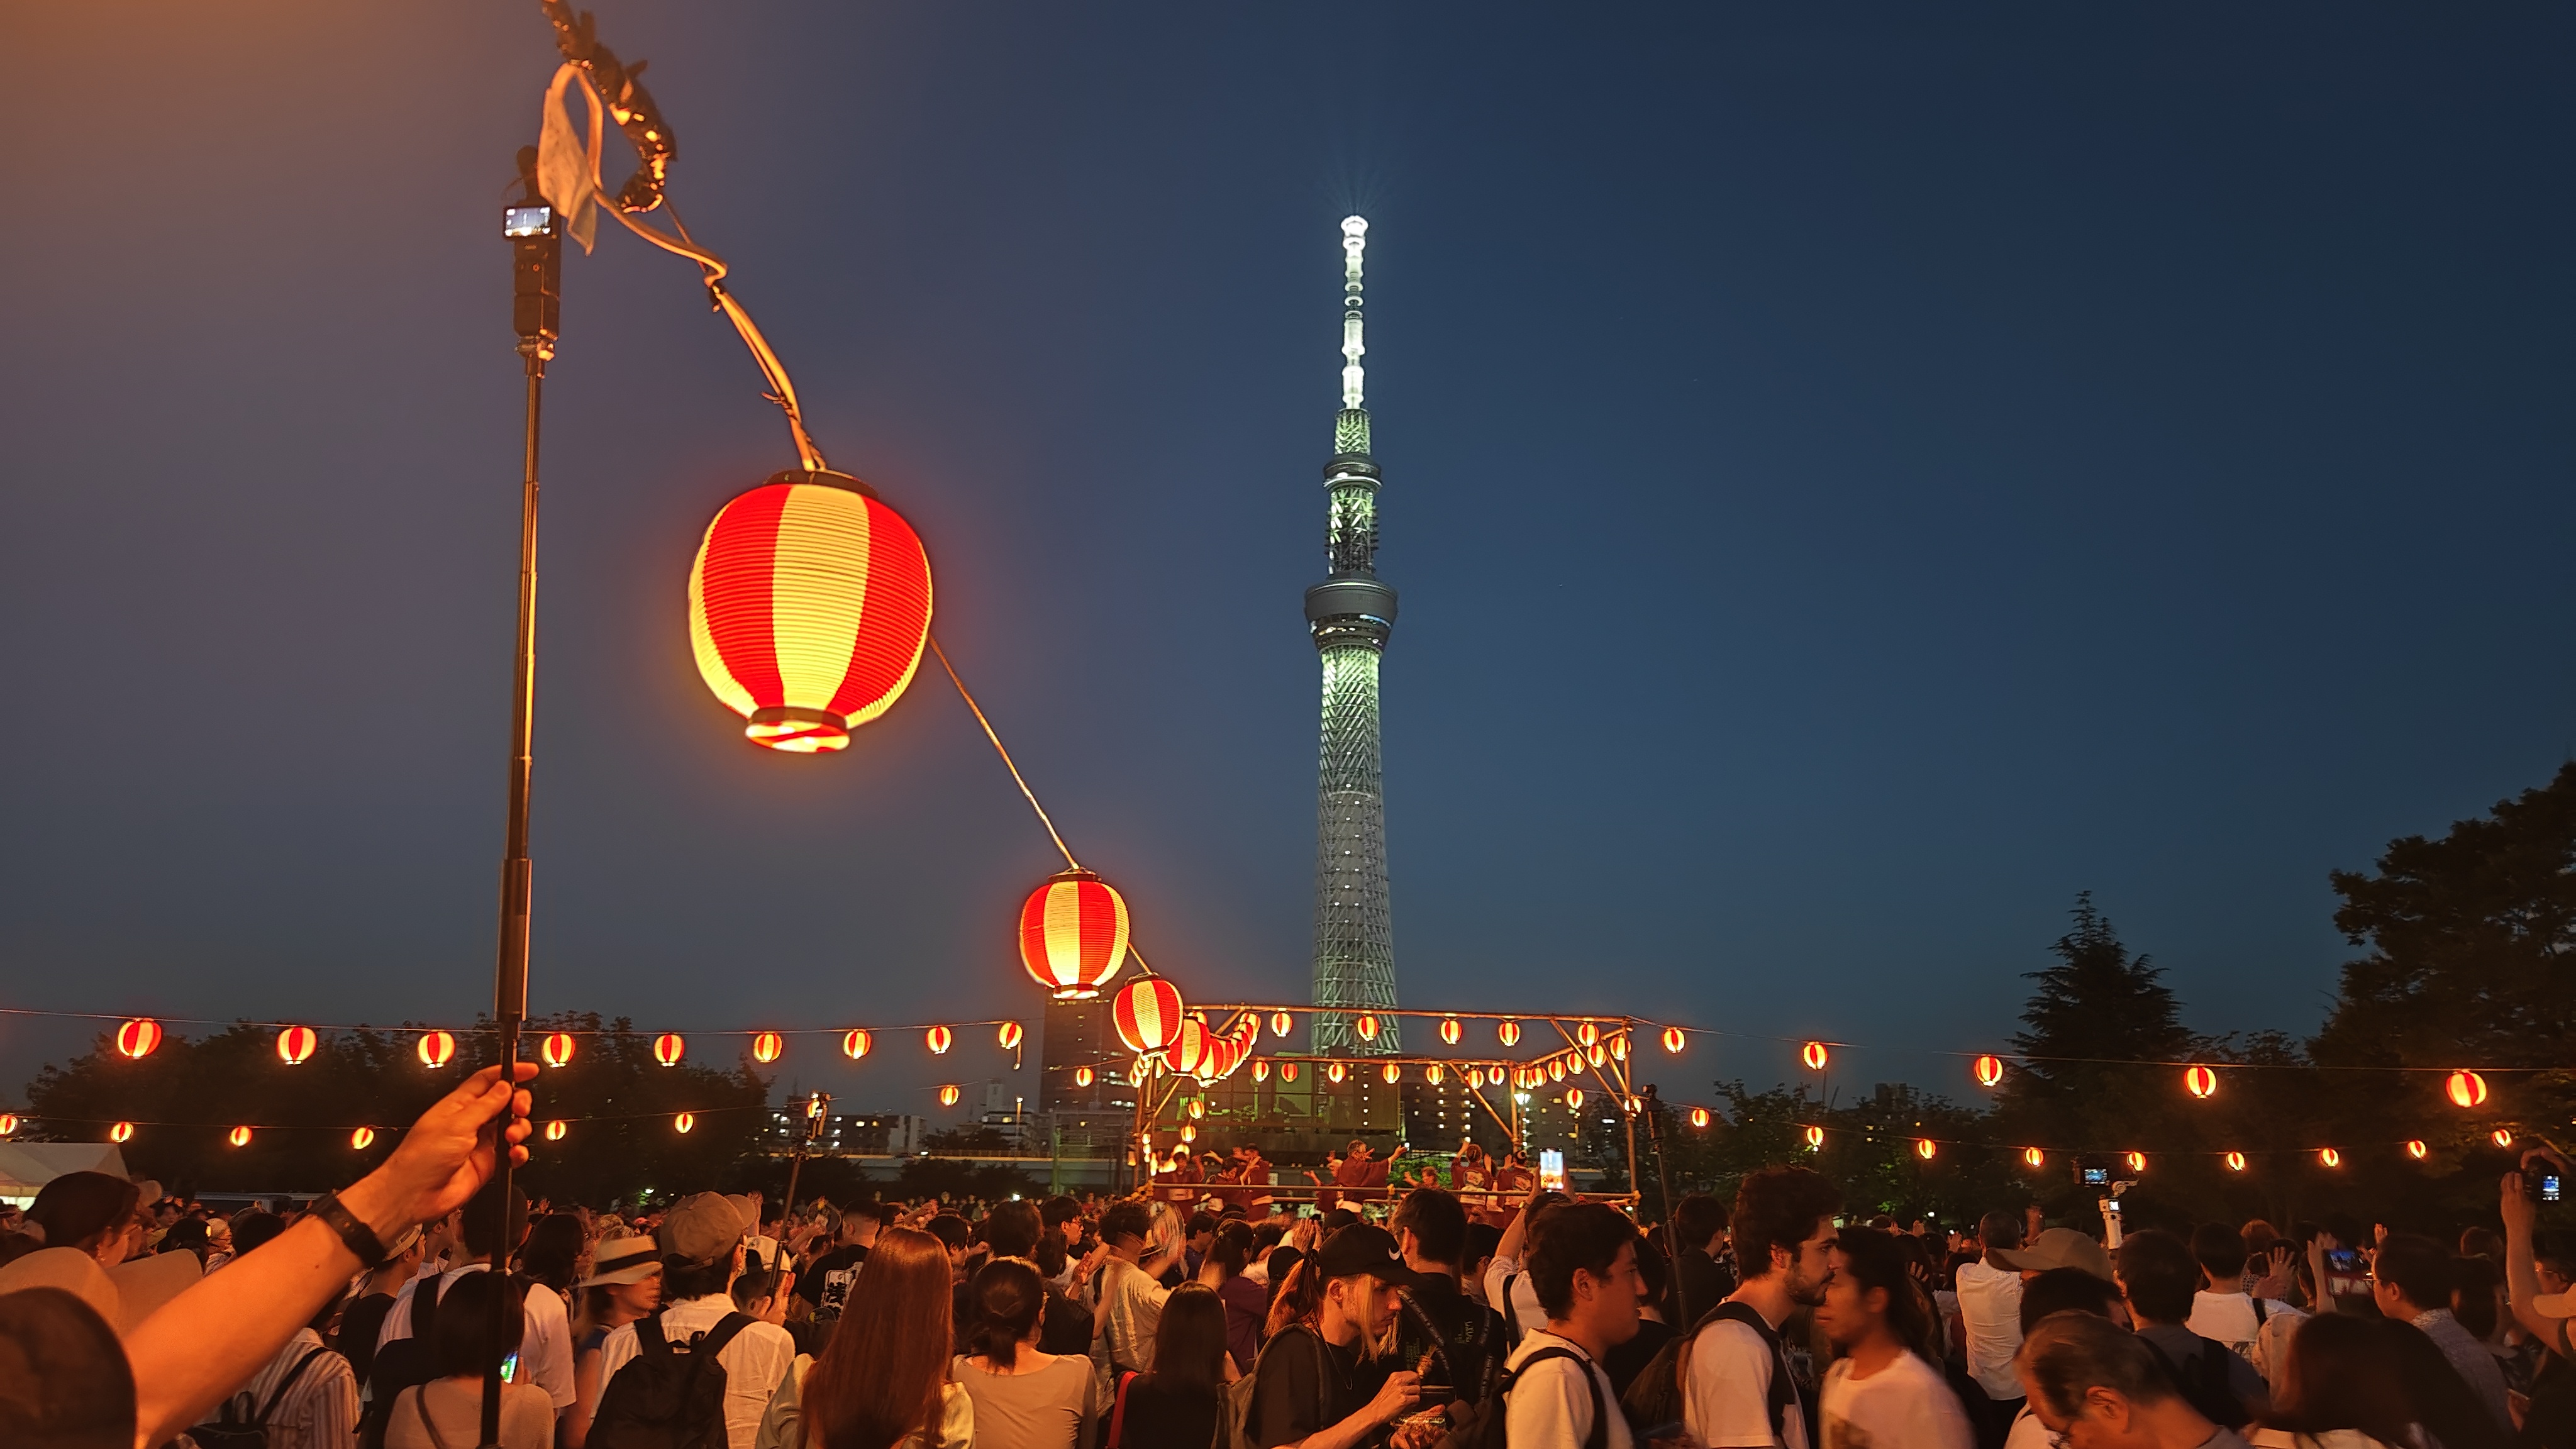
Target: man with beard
1737,1386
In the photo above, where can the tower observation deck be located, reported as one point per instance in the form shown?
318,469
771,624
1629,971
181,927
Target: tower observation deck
1351,614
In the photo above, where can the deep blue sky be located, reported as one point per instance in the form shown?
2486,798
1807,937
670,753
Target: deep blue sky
1855,478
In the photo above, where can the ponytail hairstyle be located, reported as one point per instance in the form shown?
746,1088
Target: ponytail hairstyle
1297,1300
882,1376
1008,1297
1233,1246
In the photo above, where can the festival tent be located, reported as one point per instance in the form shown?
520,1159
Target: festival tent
26,1167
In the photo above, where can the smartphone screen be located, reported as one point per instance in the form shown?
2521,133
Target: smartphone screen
510,1369
1551,1170
2549,1187
2346,1277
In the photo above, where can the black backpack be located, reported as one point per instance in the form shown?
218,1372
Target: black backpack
1487,1425
669,1396
239,1426
402,1364
1656,1396
2202,1380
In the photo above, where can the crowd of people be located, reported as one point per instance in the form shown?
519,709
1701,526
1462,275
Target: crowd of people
375,1317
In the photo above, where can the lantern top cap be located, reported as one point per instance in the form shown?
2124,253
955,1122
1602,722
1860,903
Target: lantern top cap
823,477
1073,872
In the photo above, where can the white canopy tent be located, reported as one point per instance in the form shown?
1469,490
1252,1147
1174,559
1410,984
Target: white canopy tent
25,1167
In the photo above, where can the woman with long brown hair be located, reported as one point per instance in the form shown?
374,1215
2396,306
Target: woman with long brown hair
882,1382
2344,1387
1180,1401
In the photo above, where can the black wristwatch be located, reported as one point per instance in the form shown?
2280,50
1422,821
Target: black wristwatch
360,1238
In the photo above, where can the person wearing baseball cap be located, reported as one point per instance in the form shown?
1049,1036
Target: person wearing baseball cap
701,1238
1311,1378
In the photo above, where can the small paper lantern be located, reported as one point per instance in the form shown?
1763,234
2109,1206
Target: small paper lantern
295,1044
1593,1054
121,1132
766,1046
1010,1036
239,1137
1509,1031
362,1139
809,604
436,1048
1674,1040
2501,1137
1450,1031
939,1039
2415,1148
2201,1082
1261,1069
2328,1157
138,1037
1189,1133
1814,1055
1432,1074
1287,1071
1334,1073
1148,1013
948,1096
1556,1069
1366,1026
555,1131
1082,1076
1574,1099
2137,1161
1699,1116
1924,1147
8,1123
1391,1072
2034,1156
855,1043
685,1121
2466,1089
1198,1108
1073,934
1281,1023
1475,1076
668,1048
2235,1162
1636,1105
1990,1070
1190,1046
557,1049
1585,1033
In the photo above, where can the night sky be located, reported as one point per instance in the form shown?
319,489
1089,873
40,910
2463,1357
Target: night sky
1855,480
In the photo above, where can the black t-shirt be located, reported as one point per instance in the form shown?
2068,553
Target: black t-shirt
826,1285
1703,1281
360,1322
1301,1385
1624,1362
1156,1416
1462,1338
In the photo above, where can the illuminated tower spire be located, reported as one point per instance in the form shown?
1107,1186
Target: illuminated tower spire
1351,614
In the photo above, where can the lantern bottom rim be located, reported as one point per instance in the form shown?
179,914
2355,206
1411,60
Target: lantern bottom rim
794,730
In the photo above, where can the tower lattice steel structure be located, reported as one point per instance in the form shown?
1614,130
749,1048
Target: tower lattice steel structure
1351,615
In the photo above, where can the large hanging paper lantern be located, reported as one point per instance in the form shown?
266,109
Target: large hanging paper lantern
1073,934
684,1121
1585,1033
557,1049
2201,1082
294,1044
1674,1040
668,1048
855,1043
1990,1070
239,1137
1699,1117
1190,1048
1509,1032
948,1096
939,1039
1450,1031
436,1049
1281,1023
809,605
1814,1055
138,1037
2466,1089
1148,1013
766,1047
8,1123
121,1132
1010,1036
1366,1026
362,1139
1574,1099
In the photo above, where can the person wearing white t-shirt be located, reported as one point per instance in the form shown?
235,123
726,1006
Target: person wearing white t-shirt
1585,1266
1737,1388
1881,1394
702,1242
2223,1310
1508,1290
1990,1320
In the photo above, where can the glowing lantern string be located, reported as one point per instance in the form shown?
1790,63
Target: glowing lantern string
948,1096
436,1049
1508,1031
121,1132
1148,1013
939,1039
1814,1055
2236,1162
1450,1031
1010,1036
295,1044
362,1139
239,1137
1082,1076
668,1048
766,1047
2201,1082
1699,1116
1674,1040
555,1131
855,1043
2466,1089
138,1037
809,605
684,1121
1990,1070
1924,1148
557,1049
1073,934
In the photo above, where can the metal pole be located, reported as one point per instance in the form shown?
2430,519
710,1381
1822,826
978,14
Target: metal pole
536,238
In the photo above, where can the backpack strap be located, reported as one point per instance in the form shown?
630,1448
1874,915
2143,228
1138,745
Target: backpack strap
713,1341
1511,1319
648,1336
1783,1391
1599,1438
278,1394
2260,1313
1118,1413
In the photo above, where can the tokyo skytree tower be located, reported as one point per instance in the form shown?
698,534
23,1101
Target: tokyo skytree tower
1351,614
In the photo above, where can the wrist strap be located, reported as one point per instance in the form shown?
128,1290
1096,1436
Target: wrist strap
360,1239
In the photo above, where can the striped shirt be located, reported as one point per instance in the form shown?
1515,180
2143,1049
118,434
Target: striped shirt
320,1409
